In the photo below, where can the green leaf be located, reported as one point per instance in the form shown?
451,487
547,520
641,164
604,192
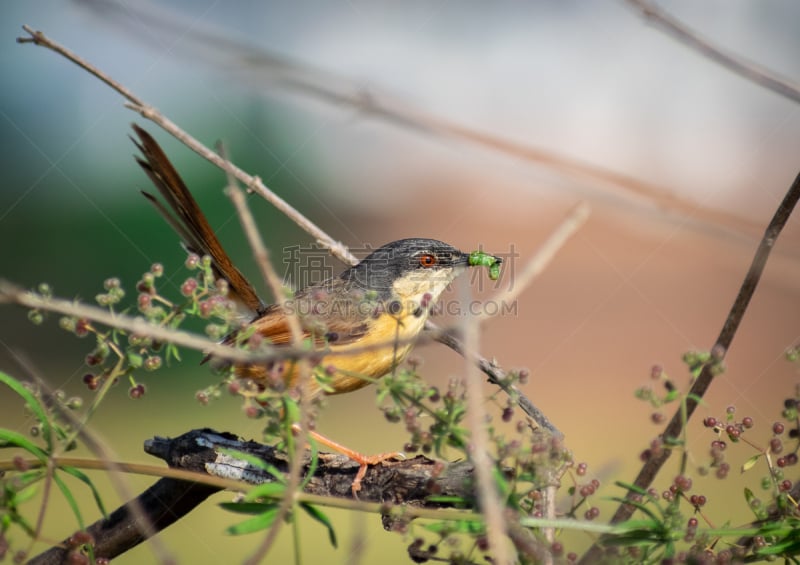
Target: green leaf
25,494
750,463
671,395
33,403
323,519
446,499
256,523
639,506
9,438
266,490
81,476
135,360
73,504
312,468
247,507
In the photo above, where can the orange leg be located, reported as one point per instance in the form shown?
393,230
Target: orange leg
363,460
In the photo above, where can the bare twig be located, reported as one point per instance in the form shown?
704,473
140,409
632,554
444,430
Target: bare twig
137,326
574,220
273,280
331,88
742,67
106,455
478,449
151,113
499,377
673,430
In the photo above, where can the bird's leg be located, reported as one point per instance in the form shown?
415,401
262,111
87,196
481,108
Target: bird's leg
363,460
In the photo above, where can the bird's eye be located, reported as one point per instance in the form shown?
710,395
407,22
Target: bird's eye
427,260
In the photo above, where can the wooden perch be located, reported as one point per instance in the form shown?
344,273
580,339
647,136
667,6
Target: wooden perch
409,482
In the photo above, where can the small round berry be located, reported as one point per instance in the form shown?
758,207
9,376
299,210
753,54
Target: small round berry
710,422
731,410
775,445
556,549
778,428
144,302
683,483
657,417
781,462
20,464
785,485
656,371
581,469
482,542
747,422
152,363
192,261
136,391
82,327
508,414
80,538
692,522
189,286
202,397
91,381
523,374
791,459
157,269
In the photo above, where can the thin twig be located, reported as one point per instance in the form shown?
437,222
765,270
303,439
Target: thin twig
331,88
673,430
742,67
151,113
499,377
541,259
478,449
9,292
303,366
100,448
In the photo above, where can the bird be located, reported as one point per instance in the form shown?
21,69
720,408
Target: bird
364,321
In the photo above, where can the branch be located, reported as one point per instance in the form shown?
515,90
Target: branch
747,69
673,430
336,90
408,482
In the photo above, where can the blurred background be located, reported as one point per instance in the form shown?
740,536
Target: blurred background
348,111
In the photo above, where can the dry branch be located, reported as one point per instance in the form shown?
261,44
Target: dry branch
747,69
673,431
408,482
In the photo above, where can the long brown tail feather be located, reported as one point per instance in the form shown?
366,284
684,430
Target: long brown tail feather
184,215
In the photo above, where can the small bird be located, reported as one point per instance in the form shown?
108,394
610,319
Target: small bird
375,309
